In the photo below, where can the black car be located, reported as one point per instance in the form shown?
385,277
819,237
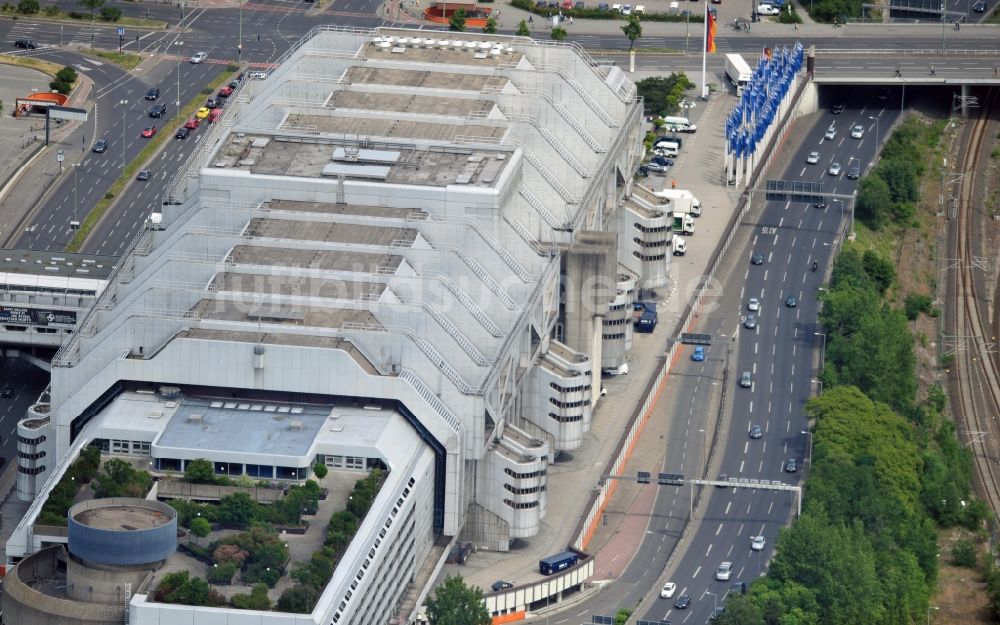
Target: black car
153,93
100,146
157,110
756,432
540,4
234,84
580,5
854,173
791,466
662,160
838,108
791,301
682,602
716,614
27,44
757,259
602,6
7,393
182,133
979,7
819,204
644,171
499,585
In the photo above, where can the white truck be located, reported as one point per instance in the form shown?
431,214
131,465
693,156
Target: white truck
683,223
738,72
679,245
673,195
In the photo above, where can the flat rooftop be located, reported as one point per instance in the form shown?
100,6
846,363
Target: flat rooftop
311,316
250,427
327,232
409,104
122,518
387,162
330,260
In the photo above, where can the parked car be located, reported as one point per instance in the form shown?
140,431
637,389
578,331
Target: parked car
153,93
212,102
698,354
655,167
813,158
602,6
500,584
214,116
182,133
767,9
236,83
258,75
755,431
192,123
144,175
100,146
157,110
199,57
203,112
148,132
662,160
226,91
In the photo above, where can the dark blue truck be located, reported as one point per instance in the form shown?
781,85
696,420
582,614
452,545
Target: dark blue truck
558,562
644,316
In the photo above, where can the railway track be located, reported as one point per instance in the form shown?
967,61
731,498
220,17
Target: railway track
976,383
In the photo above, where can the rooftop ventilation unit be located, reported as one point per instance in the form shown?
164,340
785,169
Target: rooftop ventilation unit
196,418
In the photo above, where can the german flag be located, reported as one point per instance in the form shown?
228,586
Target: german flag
710,33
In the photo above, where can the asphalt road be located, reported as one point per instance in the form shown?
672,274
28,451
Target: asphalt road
780,352
25,381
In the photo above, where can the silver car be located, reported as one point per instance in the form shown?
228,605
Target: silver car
831,133
199,57
857,132
813,158
834,169
746,380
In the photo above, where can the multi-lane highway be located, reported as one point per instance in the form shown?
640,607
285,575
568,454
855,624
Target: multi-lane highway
781,353
20,384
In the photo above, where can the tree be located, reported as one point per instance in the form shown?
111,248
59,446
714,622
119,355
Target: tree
111,14
491,25
180,587
454,603
522,29
632,30
256,600
237,509
558,33
320,470
874,201
457,21
119,479
28,7
200,527
200,471
93,5
299,599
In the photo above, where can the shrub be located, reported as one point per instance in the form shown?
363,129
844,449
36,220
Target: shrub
60,87
222,573
67,74
111,14
52,10
298,598
963,553
76,15
915,304
28,7
256,600
320,470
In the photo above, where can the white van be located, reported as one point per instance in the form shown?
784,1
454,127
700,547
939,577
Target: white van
678,124
667,148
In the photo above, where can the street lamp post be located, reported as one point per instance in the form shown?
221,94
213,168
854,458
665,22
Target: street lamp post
822,347
876,137
715,600
809,446
76,202
239,45
124,104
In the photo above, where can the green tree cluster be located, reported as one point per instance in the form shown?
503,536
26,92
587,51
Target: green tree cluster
457,21
256,600
119,479
313,575
889,192
180,587
662,95
201,471
64,80
28,7
111,14
266,557
60,499
454,603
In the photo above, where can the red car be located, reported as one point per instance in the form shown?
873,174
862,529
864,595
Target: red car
192,123
225,92
148,131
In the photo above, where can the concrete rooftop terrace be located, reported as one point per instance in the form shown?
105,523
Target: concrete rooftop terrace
394,163
122,518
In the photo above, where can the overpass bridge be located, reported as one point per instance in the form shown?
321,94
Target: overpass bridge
43,295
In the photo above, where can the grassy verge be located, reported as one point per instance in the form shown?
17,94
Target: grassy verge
125,60
32,63
62,16
152,147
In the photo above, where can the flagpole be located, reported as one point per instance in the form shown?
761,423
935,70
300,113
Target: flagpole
704,57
